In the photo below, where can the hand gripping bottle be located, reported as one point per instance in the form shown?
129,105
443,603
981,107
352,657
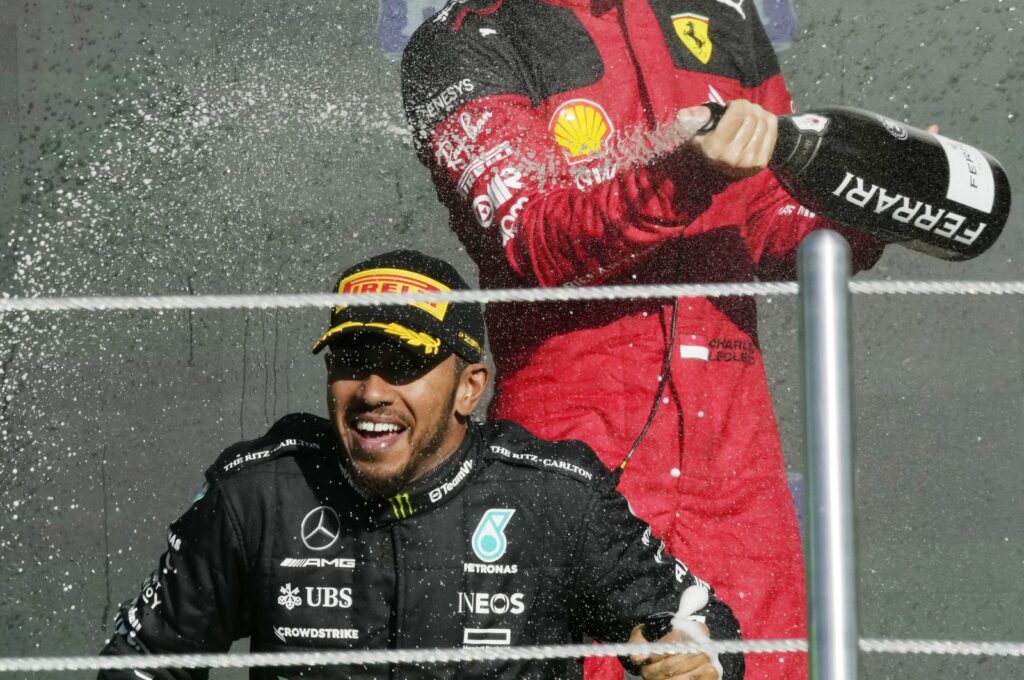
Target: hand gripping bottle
907,186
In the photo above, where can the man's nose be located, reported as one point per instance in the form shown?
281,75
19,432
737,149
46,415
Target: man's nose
375,389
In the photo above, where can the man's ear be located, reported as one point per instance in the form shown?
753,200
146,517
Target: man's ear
472,384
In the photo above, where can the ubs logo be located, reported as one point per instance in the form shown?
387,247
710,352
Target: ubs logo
320,528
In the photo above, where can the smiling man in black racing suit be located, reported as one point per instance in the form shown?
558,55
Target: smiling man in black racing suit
398,523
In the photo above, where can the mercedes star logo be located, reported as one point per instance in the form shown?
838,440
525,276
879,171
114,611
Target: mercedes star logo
320,528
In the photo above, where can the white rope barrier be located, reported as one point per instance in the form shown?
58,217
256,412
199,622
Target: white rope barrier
937,287
945,647
558,294
390,656
477,654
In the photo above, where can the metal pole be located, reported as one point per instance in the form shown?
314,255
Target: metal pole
824,271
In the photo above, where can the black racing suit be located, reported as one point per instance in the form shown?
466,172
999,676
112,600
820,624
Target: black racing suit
512,541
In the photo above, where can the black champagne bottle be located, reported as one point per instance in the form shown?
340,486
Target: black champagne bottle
905,185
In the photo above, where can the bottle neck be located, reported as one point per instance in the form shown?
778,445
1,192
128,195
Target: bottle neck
794,149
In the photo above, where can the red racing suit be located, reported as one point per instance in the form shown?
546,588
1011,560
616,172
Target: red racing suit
539,121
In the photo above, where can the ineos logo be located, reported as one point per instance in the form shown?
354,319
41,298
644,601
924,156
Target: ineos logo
320,528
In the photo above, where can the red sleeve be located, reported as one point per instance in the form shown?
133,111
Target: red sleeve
557,222
514,196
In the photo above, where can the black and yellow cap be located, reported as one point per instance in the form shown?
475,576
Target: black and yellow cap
427,328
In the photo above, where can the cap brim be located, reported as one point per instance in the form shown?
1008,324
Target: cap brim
415,341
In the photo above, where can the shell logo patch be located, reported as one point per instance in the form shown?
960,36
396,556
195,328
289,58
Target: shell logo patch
389,280
581,127
692,30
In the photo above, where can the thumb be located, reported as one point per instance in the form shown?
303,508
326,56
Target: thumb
638,636
691,120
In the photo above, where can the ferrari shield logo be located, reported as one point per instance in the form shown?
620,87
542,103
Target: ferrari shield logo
692,30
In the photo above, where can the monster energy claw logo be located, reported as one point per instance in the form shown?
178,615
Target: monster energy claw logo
401,505
489,542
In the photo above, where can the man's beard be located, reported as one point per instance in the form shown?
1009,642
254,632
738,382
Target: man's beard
371,487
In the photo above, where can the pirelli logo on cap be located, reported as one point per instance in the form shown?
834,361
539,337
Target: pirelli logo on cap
389,280
581,127
692,30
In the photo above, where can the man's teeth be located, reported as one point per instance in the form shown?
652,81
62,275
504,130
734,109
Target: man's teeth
364,426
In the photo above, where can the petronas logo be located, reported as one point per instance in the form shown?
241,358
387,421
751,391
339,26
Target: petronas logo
489,543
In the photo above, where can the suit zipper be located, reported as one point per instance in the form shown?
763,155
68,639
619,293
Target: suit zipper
399,619
645,95
670,338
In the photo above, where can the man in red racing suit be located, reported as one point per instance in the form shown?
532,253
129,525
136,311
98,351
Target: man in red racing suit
539,120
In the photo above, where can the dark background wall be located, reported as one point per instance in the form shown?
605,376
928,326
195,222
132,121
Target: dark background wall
258,146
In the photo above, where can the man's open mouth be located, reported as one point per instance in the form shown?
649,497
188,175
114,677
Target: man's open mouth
376,435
